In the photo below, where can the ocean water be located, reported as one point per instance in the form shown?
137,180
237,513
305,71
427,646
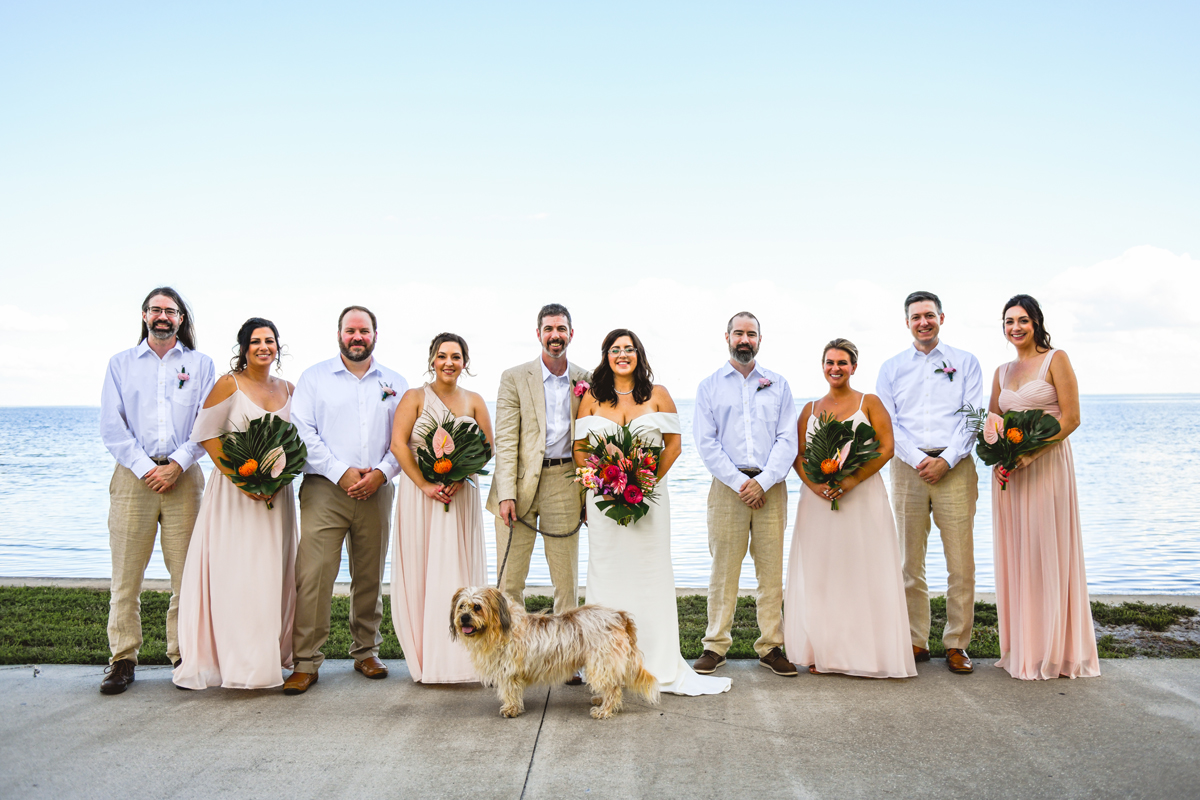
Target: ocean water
1137,460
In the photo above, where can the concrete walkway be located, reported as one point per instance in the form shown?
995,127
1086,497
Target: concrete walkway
1135,732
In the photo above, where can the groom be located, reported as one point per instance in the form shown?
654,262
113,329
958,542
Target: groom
532,488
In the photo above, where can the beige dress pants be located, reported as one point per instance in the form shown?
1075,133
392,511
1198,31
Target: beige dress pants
952,502
556,508
734,527
135,514
328,517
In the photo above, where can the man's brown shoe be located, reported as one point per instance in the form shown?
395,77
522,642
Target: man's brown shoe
298,682
775,662
920,653
576,680
371,667
117,677
958,661
708,662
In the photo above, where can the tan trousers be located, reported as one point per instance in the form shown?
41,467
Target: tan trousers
952,501
135,513
556,508
732,528
328,517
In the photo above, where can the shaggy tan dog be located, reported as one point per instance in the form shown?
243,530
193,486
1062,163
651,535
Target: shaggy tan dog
512,649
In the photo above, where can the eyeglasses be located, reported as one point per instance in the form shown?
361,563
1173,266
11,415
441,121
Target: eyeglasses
616,351
171,313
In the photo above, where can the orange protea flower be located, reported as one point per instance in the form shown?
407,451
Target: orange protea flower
830,466
248,469
1014,435
442,466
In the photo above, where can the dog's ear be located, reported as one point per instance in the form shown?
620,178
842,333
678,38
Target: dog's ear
503,611
453,616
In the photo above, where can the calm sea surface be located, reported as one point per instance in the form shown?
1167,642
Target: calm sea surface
1137,460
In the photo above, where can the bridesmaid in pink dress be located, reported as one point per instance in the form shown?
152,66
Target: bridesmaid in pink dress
435,552
1041,588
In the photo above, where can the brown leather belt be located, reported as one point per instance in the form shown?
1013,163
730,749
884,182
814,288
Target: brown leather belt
554,462
933,453
162,462
750,472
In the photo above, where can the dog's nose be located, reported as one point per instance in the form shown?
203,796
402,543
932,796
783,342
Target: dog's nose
465,619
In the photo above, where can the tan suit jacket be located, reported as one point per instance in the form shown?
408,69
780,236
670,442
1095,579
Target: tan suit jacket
521,433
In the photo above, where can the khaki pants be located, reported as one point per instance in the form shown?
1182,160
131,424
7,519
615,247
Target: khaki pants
952,501
732,528
135,513
556,508
328,516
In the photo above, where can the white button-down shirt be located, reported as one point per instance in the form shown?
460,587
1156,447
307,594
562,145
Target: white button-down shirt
736,424
346,421
558,412
924,404
147,411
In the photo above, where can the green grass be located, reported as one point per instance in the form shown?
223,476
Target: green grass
51,625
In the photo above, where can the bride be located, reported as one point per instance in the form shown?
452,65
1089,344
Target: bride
629,568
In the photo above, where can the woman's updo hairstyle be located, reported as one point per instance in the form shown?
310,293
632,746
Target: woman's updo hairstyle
440,340
240,360
1041,337
842,344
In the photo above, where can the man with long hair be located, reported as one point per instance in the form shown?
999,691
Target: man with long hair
151,396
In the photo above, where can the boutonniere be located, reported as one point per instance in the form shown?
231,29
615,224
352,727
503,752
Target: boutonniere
946,370
763,383
581,388
182,377
387,391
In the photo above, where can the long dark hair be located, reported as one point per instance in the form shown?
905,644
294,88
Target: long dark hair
1041,336
440,340
239,361
186,332
603,383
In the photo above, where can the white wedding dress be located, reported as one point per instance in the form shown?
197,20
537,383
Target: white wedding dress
629,568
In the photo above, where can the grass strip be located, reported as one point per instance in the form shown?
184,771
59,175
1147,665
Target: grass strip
56,625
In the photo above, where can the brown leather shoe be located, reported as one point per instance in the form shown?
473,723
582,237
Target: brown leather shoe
371,667
576,680
117,677
708,662
958,661
298,682
920,654
776,662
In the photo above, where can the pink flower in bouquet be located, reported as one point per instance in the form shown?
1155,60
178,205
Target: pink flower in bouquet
277,460
625,464
619,484
613,450
993,429
443,442
845,451
633,494
611,473
646,479
592,461
581,388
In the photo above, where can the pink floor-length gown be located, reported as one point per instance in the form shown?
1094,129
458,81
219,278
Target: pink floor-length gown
1041,588
434,554
238,595
844,609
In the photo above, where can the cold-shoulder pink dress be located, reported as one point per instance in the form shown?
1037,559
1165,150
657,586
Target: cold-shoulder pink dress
1041,587
434,554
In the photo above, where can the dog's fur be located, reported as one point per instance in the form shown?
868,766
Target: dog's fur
512,649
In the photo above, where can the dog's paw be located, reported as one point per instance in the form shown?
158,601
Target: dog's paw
510,711
597,701
600,713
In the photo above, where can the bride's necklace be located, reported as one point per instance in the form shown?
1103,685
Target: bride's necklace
618,391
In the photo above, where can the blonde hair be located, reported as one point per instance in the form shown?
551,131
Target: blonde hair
842,344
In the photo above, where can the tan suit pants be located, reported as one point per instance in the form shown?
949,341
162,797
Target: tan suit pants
556,508
329,517
135,513
952,501
734,527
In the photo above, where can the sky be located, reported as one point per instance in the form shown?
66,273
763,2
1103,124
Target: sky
456,166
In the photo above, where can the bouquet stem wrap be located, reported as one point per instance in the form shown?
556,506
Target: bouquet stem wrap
264,457
451,451
837,449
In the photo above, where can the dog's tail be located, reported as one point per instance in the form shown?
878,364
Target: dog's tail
637,679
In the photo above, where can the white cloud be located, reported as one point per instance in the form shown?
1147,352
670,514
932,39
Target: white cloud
13,318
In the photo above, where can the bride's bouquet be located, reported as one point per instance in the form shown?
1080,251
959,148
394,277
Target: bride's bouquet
621,467
265,457
451,451
837,449
1004,439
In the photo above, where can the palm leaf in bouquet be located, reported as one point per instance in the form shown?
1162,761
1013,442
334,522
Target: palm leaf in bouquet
451,450
1004,439
264,457
838,449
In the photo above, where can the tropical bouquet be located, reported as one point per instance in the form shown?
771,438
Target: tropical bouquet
265,457
621,467
1004,439
837,449
451,451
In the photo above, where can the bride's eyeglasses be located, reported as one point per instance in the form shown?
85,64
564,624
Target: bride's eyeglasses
616,351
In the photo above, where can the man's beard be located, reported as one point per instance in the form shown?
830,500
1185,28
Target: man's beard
367,349
743,354
162,334
561,352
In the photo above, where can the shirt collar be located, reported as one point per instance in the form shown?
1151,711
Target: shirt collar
548,375
728,369
144,347
940,349
340,366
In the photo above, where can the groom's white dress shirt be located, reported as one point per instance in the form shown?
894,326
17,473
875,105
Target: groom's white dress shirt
558,412
144,412
736,425
924,403
346,421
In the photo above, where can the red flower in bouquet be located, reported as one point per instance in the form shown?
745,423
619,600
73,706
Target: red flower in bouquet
633,494
611,473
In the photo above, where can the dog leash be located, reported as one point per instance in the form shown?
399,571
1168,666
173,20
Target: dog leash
508,547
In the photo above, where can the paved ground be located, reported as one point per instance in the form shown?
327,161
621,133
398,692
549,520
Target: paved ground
1134,732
